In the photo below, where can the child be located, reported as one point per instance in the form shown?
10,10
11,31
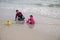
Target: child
19,16
30,20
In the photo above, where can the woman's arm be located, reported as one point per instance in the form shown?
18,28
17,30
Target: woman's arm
16,17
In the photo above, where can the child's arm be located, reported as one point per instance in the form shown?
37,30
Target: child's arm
16,17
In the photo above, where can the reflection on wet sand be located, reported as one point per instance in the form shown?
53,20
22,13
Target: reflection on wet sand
20,22
31,26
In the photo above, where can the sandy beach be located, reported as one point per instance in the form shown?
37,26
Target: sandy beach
47,26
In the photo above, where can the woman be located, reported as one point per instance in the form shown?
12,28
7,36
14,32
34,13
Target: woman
19,16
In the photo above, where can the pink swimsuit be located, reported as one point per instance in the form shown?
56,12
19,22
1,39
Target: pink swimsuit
31,21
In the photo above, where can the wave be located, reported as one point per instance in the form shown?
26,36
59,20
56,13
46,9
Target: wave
53,12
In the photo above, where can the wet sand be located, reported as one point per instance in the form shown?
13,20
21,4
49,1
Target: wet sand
45,28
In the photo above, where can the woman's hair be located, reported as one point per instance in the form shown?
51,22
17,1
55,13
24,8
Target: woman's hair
31,15
17,10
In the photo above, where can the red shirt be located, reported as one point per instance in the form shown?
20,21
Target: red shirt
19,14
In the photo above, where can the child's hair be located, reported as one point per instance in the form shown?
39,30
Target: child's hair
31,15
17,10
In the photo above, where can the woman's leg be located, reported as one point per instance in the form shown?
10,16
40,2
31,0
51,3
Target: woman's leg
23,17
19,19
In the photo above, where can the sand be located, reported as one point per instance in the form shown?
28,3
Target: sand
47,27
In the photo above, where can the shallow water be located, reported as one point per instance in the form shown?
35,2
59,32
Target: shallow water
47,24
